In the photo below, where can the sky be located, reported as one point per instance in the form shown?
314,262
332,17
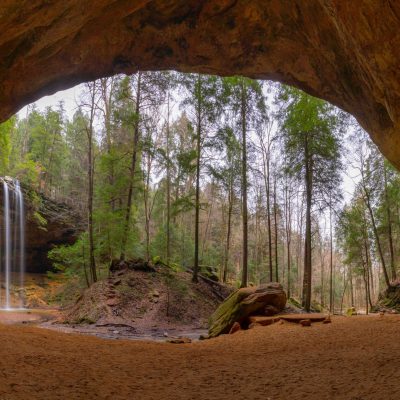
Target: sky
69,97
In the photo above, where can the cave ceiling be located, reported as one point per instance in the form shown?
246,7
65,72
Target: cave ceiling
346,52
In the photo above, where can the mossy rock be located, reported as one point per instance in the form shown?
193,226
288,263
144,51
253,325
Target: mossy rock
351,311
243,303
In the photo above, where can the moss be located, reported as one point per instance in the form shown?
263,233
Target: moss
231,310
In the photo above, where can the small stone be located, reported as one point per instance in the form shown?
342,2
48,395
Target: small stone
156,293
115,332
203,337
165,334
235,328
305,322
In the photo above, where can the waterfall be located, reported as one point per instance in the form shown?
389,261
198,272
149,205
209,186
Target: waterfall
13,243
7,244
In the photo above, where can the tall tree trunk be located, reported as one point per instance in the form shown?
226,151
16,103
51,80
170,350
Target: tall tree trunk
366,268
197,201
288,229
147,211
276,232
90,172
351,289
389,222
331,295
375,230
244,186
136,134
307,279
268,194
168,237
107,101
228,232
207,228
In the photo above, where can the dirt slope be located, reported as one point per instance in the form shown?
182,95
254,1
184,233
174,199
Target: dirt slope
147,300
352,358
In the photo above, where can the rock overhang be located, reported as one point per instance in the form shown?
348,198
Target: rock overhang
344,52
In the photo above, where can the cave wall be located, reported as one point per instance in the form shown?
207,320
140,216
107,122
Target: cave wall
346,52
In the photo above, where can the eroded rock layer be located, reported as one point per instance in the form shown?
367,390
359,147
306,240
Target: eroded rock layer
343,51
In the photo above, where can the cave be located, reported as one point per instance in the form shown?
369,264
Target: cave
333,49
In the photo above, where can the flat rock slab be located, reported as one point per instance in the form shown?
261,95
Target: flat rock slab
262,320
299,317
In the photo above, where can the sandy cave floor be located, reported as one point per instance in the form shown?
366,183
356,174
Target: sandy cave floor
353,358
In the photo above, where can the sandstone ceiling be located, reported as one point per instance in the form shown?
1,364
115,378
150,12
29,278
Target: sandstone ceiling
345,51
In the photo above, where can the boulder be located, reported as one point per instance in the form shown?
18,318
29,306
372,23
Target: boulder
243,303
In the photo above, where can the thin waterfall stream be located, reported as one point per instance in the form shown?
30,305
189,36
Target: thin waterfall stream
12,239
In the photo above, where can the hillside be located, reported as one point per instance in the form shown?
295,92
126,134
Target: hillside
143,298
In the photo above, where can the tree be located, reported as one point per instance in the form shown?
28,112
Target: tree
309,129
200,97
6,130
244,97
90,104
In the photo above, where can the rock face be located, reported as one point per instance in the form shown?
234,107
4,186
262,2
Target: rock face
59,226
343,51
243,303
62,227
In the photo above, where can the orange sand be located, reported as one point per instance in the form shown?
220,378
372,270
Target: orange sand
352,358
